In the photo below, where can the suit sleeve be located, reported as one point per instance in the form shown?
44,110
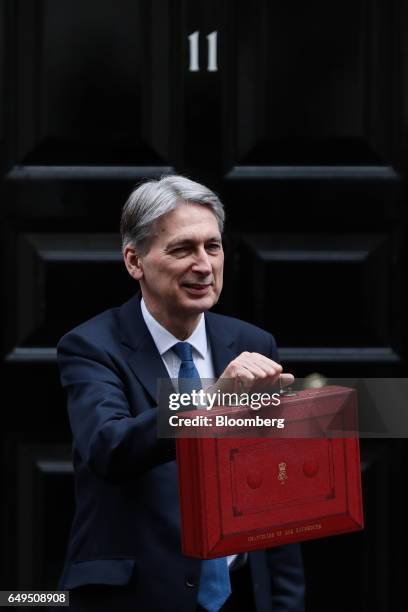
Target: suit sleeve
114,444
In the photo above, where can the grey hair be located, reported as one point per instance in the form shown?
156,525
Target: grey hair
153,199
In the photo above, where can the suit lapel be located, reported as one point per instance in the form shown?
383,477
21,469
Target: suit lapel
222,342
144,358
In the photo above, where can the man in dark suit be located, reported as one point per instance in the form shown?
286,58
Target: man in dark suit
124,548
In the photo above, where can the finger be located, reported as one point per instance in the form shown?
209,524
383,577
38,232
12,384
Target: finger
245,374
267,363
245,378
270,367
260,370
282,380
286,379
252,380
240,366
255,369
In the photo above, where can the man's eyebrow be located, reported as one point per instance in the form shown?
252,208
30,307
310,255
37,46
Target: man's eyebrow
188,241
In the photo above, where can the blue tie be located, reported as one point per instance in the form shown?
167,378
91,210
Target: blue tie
215,586
188,376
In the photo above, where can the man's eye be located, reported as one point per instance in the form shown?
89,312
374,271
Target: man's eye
179,251
213,246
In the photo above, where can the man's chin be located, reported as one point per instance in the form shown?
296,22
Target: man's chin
199,303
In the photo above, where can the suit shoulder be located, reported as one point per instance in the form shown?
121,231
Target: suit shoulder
100,329
246,336
233,325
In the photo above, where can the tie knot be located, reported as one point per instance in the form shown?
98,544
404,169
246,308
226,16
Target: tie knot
184,351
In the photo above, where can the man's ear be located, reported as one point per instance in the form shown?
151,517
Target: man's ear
133,262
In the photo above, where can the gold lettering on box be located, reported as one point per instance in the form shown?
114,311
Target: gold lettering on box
272,534
306,528
282,475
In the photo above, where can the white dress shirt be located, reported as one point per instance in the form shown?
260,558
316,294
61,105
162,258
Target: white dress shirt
164,342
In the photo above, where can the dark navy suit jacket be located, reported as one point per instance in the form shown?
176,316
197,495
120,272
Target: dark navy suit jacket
126,526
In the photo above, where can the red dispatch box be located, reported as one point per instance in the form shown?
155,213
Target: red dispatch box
243,494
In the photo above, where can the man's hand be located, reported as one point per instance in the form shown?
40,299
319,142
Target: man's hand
253,372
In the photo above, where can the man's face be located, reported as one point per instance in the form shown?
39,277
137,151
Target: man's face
182,273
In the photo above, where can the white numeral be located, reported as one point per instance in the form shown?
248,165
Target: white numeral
212,52
193,39
212,65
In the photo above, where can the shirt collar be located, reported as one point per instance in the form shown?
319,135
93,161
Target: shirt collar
164,340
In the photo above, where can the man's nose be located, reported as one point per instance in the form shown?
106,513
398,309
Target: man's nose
202,262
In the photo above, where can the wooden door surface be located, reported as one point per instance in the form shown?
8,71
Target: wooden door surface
295,114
